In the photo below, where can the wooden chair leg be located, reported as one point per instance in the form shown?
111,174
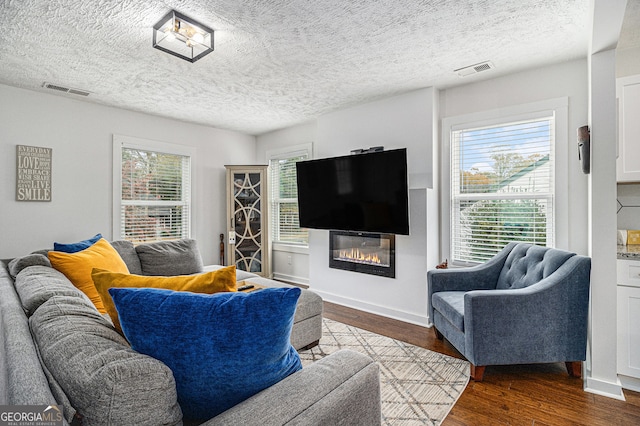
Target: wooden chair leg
439,335
477,372
574,368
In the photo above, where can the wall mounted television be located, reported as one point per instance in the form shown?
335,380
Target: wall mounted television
363,193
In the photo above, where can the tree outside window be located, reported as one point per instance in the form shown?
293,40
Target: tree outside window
502,188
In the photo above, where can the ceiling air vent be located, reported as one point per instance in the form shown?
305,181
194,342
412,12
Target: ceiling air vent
70,90
474,69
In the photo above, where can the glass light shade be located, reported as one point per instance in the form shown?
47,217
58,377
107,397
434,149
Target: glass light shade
183,37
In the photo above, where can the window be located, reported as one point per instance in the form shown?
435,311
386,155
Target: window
285,227
502,185
152,185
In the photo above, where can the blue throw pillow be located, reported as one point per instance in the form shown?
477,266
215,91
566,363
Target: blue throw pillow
76,247
222,348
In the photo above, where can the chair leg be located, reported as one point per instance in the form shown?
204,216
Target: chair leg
574,368
439,335
477,372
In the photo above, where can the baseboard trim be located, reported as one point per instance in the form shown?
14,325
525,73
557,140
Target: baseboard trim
603,388
371,308
291,279
630,383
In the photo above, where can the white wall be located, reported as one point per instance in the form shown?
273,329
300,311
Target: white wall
405,121
627,62
290,136
80,134
568,79
601,377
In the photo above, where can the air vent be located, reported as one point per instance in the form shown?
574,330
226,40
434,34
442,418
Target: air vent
474,69
70,90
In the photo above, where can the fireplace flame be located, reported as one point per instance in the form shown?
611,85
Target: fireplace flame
356,255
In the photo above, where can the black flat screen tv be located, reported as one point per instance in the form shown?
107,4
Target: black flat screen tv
363,192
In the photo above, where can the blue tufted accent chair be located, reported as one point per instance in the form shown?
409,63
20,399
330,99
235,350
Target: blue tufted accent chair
526,305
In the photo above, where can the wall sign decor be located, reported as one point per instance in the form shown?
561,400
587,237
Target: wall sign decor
33,173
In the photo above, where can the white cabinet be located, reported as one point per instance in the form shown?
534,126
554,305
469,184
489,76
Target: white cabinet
629,323
628,163
628,272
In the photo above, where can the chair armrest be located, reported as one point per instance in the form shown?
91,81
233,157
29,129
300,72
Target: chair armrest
480,277
343,388
507,326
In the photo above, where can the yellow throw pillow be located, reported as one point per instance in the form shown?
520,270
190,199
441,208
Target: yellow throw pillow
77,267
633,237
223,279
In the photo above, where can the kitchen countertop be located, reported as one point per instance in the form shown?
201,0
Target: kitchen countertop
631,252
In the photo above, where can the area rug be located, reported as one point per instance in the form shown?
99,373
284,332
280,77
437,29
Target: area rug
417,386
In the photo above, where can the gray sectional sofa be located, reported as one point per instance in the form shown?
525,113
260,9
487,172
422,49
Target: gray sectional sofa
56,349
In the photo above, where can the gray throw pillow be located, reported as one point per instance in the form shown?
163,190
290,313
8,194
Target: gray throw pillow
167,258
127,252
106,381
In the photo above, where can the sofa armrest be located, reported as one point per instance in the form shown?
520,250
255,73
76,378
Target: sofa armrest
340,389
505,326
240,274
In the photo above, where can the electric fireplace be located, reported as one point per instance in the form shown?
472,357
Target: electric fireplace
363,252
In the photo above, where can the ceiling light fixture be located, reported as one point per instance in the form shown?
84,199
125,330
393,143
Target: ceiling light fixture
183,37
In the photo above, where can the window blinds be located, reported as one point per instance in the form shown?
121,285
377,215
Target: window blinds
285,226
502,187
155,203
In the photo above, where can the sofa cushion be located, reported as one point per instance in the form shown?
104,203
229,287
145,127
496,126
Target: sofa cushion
68,410
180,257
76,247
37,284
528,264
210,282
106,381
127,252
309,303
19,263
77,267
222,348
451,305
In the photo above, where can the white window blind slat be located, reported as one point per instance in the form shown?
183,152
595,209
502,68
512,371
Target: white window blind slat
285,226
502,187
156,190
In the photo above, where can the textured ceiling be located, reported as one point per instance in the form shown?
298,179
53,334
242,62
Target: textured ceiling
279,62
630,33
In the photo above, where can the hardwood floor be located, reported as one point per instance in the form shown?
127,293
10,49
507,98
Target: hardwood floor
540,394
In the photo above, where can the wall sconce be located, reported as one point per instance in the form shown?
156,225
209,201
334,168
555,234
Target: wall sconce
183,37
584,149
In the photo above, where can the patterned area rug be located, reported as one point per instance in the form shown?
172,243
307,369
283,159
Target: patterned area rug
418,386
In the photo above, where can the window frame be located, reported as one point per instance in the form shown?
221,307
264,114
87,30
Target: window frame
559,108
277,154
121,142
